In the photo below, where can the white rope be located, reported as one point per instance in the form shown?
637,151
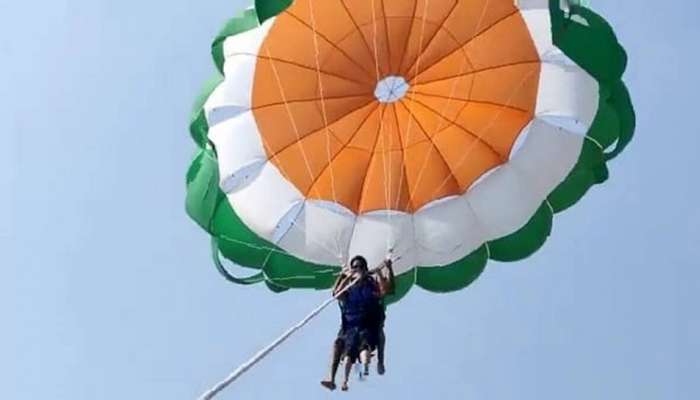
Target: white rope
413,89
243,368
323,100
278,80
387,186
289,112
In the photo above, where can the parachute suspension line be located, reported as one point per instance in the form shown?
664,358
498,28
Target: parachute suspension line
402,177
323,100
385,169
259,277
269,250
374,39
289,111
321,245
342,252
413,91
453,89
296,130
316,241
294,222
486,128
387,185
259,356
338,252
251,245
413,88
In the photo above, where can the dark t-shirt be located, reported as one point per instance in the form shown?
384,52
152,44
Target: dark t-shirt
362,314
360,303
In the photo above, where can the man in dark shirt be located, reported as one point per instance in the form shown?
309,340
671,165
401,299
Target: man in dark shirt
362,317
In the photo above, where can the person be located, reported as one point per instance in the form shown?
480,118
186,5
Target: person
386,286
362,317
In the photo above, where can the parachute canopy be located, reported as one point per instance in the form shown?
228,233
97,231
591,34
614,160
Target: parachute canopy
444,132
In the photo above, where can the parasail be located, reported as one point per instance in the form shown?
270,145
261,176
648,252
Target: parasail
444,132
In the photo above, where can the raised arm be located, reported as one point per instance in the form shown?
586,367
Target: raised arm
340,283
387,284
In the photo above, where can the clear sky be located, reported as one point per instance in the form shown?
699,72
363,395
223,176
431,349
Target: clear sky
107,290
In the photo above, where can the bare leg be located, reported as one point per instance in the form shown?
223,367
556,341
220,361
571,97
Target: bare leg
380,352
364,359
346,378
333,369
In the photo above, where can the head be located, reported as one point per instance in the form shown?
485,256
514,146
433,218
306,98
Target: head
358,264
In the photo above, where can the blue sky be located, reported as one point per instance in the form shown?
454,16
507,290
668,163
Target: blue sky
107,290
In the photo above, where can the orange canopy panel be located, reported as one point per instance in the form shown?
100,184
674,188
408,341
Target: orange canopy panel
472,72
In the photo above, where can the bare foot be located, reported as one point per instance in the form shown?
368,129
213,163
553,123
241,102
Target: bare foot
330,385
380,369
344,387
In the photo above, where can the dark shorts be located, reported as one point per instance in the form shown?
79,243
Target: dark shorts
354,340
362,332
378,317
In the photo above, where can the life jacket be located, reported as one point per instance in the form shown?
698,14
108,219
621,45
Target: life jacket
360,302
